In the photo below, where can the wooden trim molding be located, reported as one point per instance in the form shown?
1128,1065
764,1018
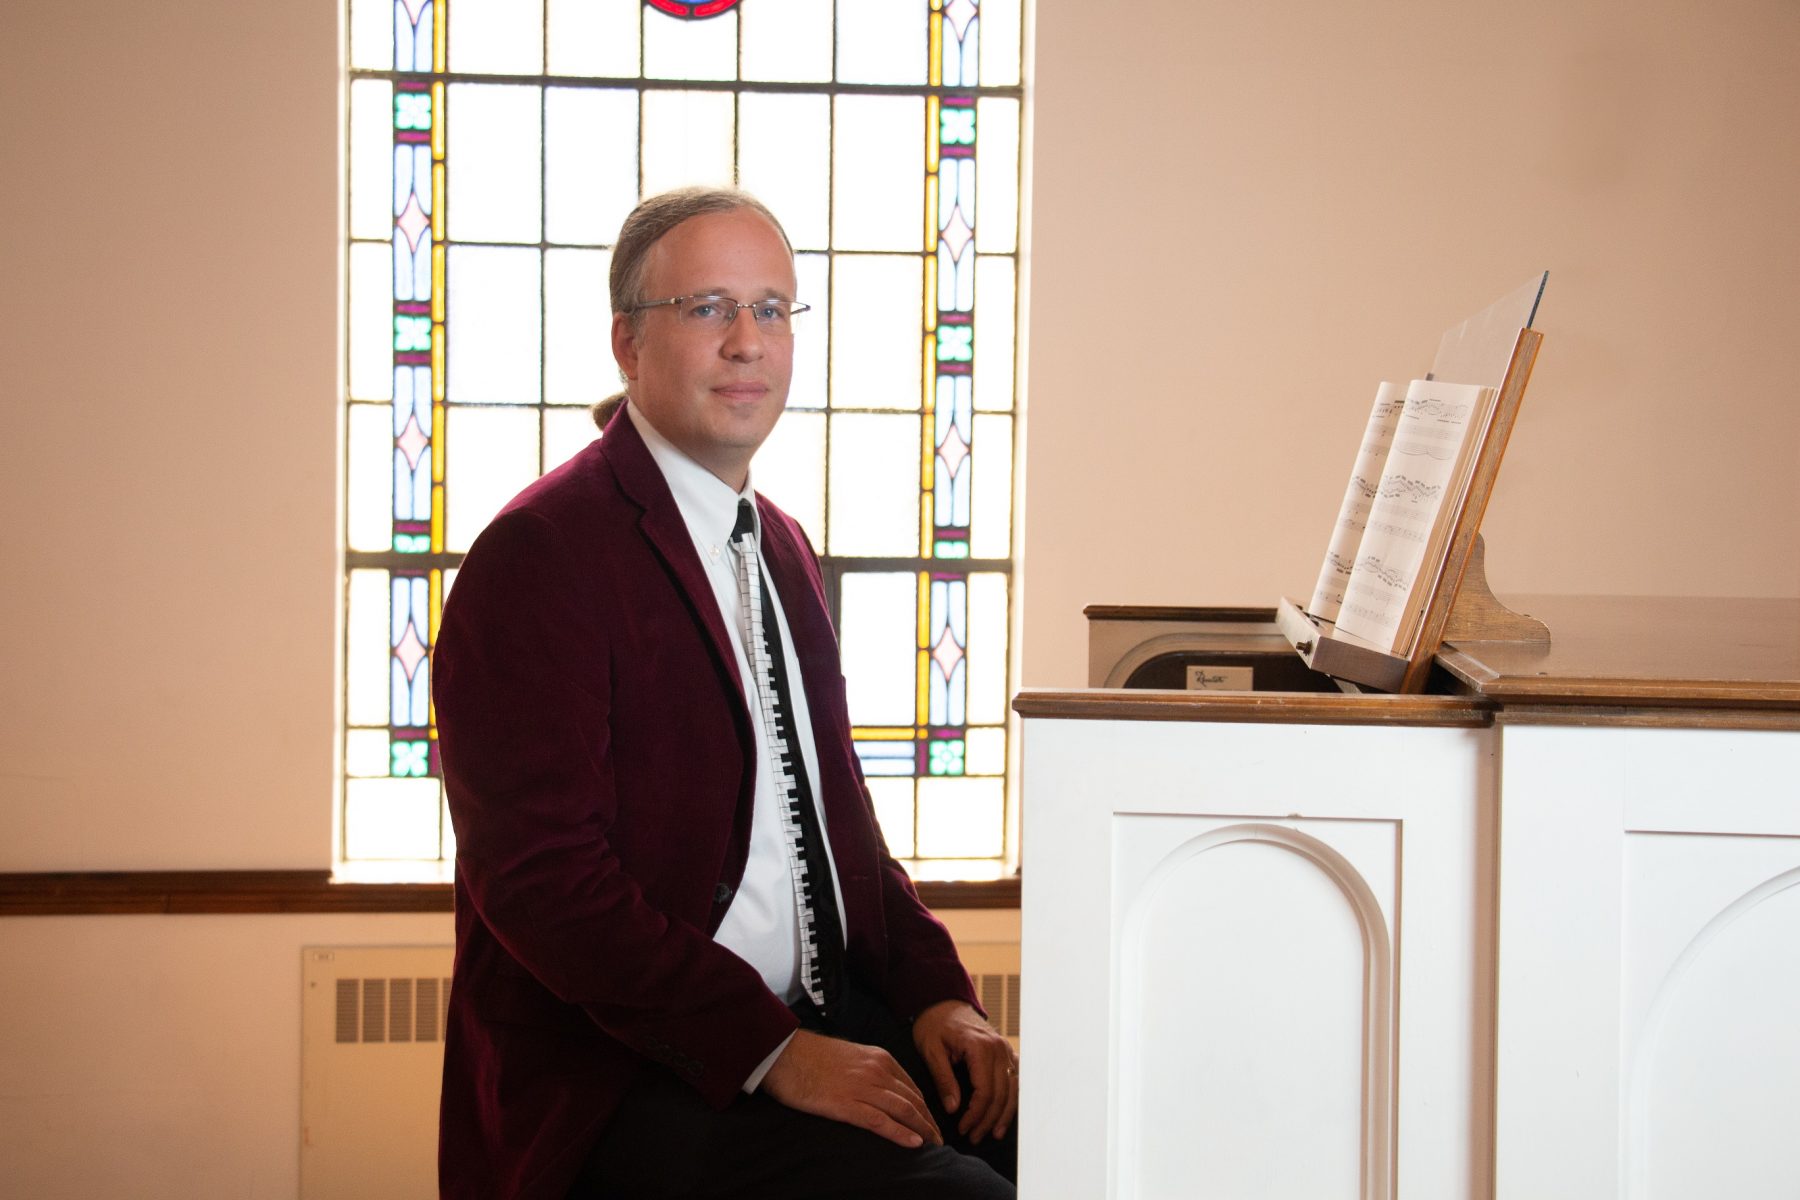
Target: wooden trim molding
171,893
1290,708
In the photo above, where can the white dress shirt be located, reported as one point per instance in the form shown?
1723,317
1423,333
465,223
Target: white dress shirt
762,924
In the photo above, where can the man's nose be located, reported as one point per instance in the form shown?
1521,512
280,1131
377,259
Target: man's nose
743,337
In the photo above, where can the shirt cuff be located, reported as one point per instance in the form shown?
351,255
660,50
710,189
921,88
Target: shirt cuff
762,1068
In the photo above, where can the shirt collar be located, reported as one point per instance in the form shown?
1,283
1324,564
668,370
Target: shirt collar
708,505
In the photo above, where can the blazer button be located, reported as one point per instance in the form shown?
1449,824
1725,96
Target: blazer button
722,894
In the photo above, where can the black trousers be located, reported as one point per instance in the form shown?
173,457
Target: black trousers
667,1142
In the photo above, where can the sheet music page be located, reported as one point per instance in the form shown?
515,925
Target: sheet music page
1420,490
1359,494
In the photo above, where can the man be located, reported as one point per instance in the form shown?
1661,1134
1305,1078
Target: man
659,988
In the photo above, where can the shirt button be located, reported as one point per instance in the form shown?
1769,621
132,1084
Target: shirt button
722,893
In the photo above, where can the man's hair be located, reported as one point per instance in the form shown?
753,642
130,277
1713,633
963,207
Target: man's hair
656,216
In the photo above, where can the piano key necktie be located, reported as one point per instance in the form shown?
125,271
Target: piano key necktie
821,933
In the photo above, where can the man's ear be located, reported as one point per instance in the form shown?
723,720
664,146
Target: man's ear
625,345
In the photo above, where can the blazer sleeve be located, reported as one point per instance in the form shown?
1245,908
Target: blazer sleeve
520,674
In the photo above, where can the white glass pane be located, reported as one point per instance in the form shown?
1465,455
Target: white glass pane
878,175
961,818
497,37
678,49
874,485
984,752
789,41
878,641
372,35
882,41
999,43
687,139
366,649
372,321
812,331
877,330
371,482
495,300
366,753
594,37
987,648
494,158
391,818
567,431
990,523
996,295
371,158
578,361
894,811
784,160
790,470
491,454
590,163
997,175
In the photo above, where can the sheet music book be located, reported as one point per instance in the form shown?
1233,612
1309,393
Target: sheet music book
1359,495
1415,506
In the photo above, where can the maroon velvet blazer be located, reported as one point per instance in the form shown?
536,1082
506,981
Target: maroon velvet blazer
598,759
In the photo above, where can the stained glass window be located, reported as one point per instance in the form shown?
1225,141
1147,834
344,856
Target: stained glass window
494,146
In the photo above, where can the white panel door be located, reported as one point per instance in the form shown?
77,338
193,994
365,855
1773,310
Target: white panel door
1255,955
1649,969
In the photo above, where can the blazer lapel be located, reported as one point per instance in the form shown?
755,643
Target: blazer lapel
667,534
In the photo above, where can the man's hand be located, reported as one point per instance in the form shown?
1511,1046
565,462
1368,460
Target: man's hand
859,1085
950,1032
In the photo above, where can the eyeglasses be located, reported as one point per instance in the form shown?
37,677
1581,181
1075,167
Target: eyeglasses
716,313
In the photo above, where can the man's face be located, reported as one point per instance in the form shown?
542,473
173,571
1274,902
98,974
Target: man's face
715,395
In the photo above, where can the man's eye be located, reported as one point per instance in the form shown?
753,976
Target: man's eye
770,312
704,310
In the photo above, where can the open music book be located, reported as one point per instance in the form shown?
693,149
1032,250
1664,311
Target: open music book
1405,494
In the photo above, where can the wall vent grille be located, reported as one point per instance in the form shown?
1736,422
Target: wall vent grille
999,995
391,1010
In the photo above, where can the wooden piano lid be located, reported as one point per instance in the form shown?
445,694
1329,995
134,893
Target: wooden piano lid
1637,651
